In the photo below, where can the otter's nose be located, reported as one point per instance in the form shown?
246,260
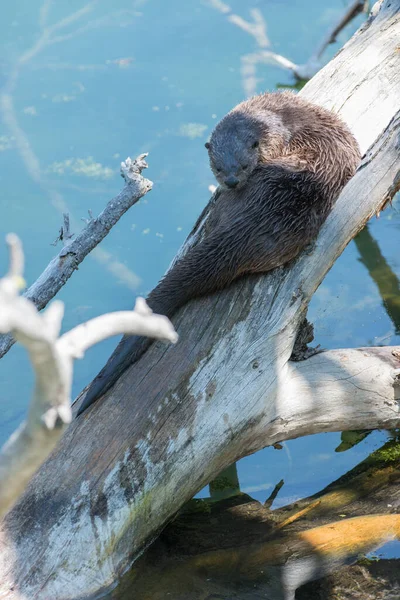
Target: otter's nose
231,181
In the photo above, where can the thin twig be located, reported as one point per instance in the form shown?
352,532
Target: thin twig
269,501
357,7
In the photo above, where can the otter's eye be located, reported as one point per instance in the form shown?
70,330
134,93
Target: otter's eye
244,167
255,145
207,145
218,170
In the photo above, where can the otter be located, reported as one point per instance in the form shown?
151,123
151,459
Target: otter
281,163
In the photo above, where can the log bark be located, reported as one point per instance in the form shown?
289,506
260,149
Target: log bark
180,415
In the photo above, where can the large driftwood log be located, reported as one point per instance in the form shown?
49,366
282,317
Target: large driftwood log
180,415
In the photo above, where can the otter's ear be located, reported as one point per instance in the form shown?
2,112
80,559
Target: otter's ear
256,144
207,145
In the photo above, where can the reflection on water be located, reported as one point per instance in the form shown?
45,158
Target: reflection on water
83,86
236,547
381,273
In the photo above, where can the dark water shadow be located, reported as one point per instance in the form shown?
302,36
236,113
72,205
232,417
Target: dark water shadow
236,548
381,274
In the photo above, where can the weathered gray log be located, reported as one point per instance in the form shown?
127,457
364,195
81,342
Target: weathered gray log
180,415
62,266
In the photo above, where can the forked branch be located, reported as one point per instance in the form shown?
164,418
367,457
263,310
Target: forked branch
52,359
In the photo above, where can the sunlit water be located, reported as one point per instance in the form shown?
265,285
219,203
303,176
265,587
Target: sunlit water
155,76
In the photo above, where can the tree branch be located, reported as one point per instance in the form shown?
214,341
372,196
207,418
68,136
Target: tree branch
350,12
52,358
257,28
60,269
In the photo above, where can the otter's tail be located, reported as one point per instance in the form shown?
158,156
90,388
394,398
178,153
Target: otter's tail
128,351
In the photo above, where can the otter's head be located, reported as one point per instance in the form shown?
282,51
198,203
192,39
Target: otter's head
233,150
240,142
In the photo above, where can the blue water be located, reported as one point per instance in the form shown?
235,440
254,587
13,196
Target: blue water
155,76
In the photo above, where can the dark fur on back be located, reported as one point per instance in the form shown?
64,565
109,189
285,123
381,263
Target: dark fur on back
303,157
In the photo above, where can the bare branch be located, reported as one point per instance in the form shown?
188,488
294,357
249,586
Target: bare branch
357,7
79,339
250,62
258,30
52,359
66,262
87,220
272,497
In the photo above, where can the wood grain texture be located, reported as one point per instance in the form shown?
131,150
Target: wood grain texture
182,414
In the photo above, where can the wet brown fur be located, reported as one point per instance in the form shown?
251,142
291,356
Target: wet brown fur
305,156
